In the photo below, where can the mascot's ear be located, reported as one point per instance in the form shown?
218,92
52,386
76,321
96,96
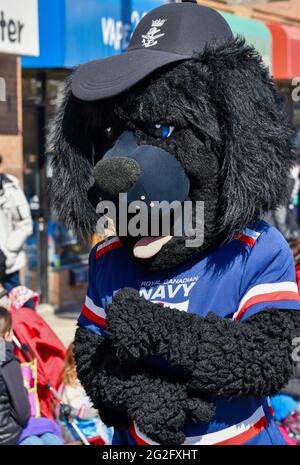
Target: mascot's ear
71,142
256,135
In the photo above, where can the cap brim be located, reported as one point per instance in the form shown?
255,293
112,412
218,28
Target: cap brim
108,77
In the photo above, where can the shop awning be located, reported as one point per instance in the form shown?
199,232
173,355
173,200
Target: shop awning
255,33
285,51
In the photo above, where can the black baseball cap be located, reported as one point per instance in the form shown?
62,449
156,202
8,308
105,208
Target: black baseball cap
167,34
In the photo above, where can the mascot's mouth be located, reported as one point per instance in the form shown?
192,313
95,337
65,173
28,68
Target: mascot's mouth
148,247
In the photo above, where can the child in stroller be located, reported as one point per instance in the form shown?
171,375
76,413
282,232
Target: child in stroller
85,416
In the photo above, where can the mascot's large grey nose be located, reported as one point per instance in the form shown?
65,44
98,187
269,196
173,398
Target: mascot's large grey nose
143,172
117,174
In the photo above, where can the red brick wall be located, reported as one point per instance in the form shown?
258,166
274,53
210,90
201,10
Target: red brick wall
11,140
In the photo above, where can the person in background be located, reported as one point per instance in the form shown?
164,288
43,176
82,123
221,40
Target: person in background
73,395
285,218
14,403
295,247
17,427
15,228
41,432
286,404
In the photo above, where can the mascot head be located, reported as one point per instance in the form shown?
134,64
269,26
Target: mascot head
188,114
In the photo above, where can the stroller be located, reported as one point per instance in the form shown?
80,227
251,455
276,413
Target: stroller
42,357
34,340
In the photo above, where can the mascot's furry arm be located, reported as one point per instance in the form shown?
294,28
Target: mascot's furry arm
222,356
122,391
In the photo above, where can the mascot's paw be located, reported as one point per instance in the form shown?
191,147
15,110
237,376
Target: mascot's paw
199,410
130,325
159,411
163,408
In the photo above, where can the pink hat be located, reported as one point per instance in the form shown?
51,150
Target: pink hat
20,295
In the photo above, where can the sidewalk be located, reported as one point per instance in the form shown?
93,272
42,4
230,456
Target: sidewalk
63,323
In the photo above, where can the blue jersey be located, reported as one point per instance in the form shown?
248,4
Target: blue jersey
252,272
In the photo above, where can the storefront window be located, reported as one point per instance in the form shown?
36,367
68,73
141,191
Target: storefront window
64,248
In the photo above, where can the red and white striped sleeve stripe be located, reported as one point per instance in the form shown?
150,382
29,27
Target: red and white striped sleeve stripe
94,313
247,236
270,292
237,434
108,245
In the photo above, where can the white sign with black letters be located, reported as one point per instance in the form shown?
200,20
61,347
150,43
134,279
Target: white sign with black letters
19,30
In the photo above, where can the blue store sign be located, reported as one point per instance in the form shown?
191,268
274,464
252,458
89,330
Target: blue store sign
73,32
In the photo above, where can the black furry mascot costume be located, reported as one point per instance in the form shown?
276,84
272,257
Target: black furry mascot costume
178,343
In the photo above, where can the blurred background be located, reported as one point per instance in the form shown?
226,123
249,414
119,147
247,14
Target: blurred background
41,41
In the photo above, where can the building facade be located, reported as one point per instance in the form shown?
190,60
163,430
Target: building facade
18,36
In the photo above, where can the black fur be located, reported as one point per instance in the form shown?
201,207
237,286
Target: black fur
232,138
159,406
234,142
222,356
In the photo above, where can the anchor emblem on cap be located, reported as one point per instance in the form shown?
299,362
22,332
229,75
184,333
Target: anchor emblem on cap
152,36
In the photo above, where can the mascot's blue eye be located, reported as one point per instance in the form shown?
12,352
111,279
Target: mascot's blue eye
162,131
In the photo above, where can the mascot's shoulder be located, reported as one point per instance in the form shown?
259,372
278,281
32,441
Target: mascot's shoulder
107,245
263,235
